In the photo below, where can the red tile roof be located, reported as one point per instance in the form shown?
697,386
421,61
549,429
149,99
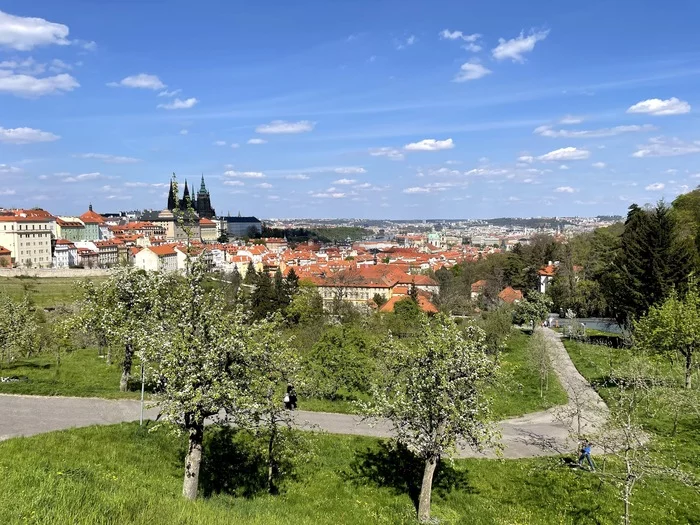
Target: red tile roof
510,295
90,217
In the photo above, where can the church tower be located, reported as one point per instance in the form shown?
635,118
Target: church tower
203,202
185,197
172,195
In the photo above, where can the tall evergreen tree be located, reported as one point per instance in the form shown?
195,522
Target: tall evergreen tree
263,301
652,261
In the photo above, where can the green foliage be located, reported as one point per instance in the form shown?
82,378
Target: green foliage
673,329
306,305
534,308
497,326
652,260
340,363
19,330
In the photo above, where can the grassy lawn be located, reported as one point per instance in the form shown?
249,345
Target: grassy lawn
120,474
518,389
43,292
82,373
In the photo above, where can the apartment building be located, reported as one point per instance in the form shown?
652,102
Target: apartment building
27,234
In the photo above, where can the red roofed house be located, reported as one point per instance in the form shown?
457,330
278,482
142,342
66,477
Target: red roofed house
546,275
478,288
95,226
208,230
510,295
162,258
5,257
424,304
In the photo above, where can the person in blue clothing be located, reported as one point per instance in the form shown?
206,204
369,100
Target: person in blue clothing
586,454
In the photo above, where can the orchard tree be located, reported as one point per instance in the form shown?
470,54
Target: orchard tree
274,364
673,329
533,309
120,310
19,332
432,391
196,356
306,306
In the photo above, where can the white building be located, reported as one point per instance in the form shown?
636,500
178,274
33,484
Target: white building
27,234
161,258
65,254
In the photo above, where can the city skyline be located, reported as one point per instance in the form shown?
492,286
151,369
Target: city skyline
373,110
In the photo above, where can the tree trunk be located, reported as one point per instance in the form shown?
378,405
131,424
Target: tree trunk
193,459
426,488
126,368
271,462
109,355
688,370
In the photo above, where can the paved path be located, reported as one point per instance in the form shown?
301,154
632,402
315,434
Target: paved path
536,434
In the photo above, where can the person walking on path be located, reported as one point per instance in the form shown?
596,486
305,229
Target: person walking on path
290,398
586,454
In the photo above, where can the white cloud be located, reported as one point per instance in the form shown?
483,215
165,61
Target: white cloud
298,176
471,71
257,141
515,47
514,199
417,189
264,185
599,165
402,44
110,159
570,119
529,159
30,86
326,195
658,107
565,154
119,197
140,81
347,170
58,66
219,143
235,145
234,183
282,126
184,132
26,136
657,186
169,94
27,66
344,181
430,145
145,185
180,104
565,189
548,131
8,192
564,167
84,176
663,147
390,153
4,168
25,33
245,174
446,34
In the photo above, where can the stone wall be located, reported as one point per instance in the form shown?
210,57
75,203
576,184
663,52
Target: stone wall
53,272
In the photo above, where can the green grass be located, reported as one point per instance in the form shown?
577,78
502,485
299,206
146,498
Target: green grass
42,292
120,474
81,373
518,390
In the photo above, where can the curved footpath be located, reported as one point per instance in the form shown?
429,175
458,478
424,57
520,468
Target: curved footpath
537,434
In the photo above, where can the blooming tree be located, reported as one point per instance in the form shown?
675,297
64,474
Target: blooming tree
432,393
196,357
119,309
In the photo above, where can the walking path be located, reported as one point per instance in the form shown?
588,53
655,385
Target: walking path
536,434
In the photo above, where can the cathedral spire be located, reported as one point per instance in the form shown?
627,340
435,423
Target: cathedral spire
187,191
172,197
203,188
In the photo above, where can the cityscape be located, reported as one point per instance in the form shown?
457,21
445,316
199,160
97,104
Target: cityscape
349,263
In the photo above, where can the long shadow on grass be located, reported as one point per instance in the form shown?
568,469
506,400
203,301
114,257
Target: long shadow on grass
232,464
394,466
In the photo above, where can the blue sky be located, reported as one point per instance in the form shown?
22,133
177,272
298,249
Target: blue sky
377,109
